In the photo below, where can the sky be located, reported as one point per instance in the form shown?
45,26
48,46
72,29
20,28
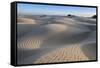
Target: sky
37,9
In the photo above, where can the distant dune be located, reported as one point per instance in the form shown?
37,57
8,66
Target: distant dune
25,21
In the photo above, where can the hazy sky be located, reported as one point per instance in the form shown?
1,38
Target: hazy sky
54,10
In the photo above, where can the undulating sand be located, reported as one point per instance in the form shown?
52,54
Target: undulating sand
49,39
26,21
65,54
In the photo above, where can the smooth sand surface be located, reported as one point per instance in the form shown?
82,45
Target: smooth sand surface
26,21
56,28
90,50
58,39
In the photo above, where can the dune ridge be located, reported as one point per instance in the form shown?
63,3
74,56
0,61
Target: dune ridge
52,39
25,21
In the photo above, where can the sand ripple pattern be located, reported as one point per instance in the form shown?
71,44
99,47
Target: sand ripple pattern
56,39
30,43
65,54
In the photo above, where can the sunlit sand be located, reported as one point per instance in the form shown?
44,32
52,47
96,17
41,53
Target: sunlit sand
62,39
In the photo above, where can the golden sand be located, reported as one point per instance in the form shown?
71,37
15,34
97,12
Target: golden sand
65,54
30,43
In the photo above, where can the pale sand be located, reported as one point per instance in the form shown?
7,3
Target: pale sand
26,21
65,54
64,40
56,28
31,43
33,40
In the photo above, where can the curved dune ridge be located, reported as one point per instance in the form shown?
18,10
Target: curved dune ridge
66,21
58,39
64,54
30,43
56,28
74,22
26,21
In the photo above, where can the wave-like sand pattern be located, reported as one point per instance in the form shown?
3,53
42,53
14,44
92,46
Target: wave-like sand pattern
56,40
31,40
65,54
30,43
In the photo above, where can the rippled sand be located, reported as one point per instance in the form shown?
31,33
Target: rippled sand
65,54
60,39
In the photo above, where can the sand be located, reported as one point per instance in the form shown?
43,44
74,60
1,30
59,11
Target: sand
56,39
65,54
25,21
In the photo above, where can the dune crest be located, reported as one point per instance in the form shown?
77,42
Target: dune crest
26,21
55,28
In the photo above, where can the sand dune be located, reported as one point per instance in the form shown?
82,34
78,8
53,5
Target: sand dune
35,39
90,50
32,41
26,21
83,19
56,28
56,39
23,29
65,54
